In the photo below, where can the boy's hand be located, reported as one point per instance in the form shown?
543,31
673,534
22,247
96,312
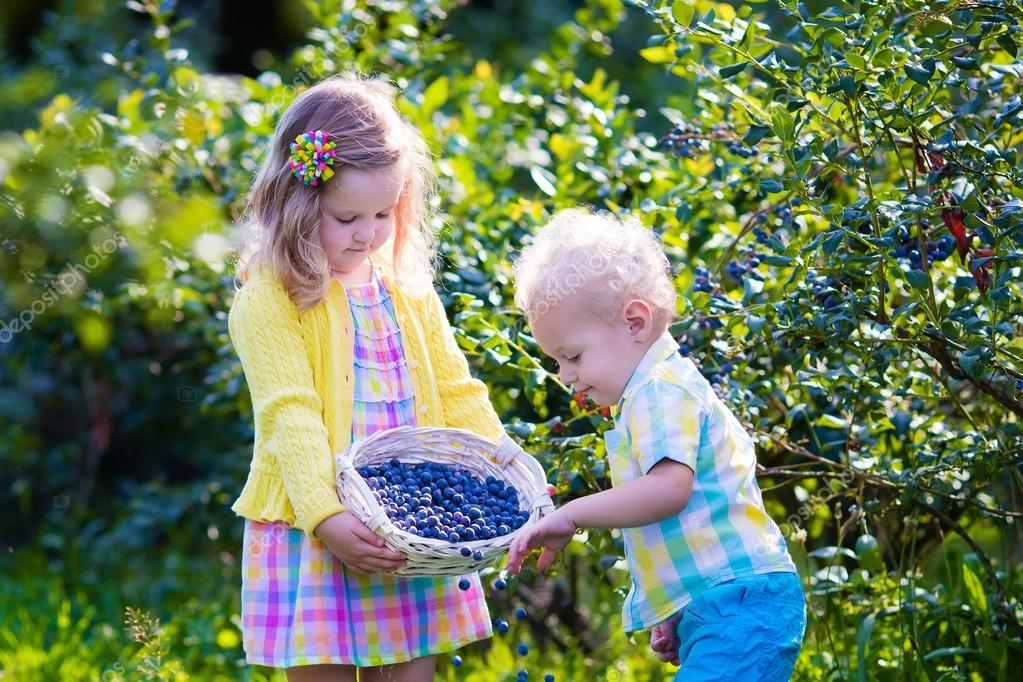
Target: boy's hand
552,533
664,640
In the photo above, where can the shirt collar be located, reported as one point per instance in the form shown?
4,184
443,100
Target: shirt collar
658,352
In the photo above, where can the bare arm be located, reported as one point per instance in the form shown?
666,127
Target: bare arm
663,492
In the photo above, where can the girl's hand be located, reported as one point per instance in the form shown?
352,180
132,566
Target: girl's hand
358,548
664,640
552,532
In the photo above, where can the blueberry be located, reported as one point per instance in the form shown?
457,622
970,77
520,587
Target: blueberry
457,661
522,649
477,555
501,625
522,676
463,584
520,613
548,678
465,551
500,584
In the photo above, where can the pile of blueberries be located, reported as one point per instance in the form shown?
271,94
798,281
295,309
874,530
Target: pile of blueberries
449,503
444,502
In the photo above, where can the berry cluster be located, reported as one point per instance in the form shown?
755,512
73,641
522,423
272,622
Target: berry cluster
908,249
725,132
823,289
745,266
685,140
703,281
444,502
718,374
775,217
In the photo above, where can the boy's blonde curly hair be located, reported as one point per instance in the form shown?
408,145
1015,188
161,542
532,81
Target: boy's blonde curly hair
607,261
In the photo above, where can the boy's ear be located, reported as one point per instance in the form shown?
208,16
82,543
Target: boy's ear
639,319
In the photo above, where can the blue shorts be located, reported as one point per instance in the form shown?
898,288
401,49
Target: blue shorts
745,629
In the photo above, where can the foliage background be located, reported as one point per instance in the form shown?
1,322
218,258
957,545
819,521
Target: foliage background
814,147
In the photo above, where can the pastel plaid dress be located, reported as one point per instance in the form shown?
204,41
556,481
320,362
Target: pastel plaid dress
299,604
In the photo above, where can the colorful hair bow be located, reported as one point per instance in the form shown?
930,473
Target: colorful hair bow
312,154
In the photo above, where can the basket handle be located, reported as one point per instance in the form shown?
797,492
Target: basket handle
507,452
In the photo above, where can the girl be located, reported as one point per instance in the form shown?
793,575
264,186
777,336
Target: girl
341,334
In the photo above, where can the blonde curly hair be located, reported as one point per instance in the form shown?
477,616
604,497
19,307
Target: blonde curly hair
282,216
606,260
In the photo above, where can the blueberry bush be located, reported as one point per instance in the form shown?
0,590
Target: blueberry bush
837,186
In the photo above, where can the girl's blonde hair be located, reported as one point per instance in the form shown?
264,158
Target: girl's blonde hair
282,215
605,260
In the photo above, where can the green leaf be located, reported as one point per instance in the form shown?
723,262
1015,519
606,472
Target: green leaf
856,61
920,73
1007,44
937,26
966,63
830,553
729,71
846,85
434,96
782,123
975,592
544,179
682,12
971,364
918,279
755,134
750,288
830,421
862,640
658,55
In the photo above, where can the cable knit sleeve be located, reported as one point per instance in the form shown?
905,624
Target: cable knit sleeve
264,327
465,400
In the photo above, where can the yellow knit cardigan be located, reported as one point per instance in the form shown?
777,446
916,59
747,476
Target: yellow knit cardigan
299,367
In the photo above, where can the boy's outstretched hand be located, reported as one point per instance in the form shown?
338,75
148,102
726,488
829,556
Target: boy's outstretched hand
552,533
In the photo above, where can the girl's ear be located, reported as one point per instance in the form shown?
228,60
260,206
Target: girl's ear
639,319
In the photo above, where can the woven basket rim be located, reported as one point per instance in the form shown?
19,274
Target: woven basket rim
504,459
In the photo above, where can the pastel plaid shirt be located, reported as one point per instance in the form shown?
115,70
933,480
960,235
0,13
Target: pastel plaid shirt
669,410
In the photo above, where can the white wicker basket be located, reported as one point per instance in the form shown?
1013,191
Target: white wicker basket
481,457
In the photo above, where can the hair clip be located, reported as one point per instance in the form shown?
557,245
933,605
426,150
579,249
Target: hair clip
312,154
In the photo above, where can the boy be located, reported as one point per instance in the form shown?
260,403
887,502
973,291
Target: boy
704,556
